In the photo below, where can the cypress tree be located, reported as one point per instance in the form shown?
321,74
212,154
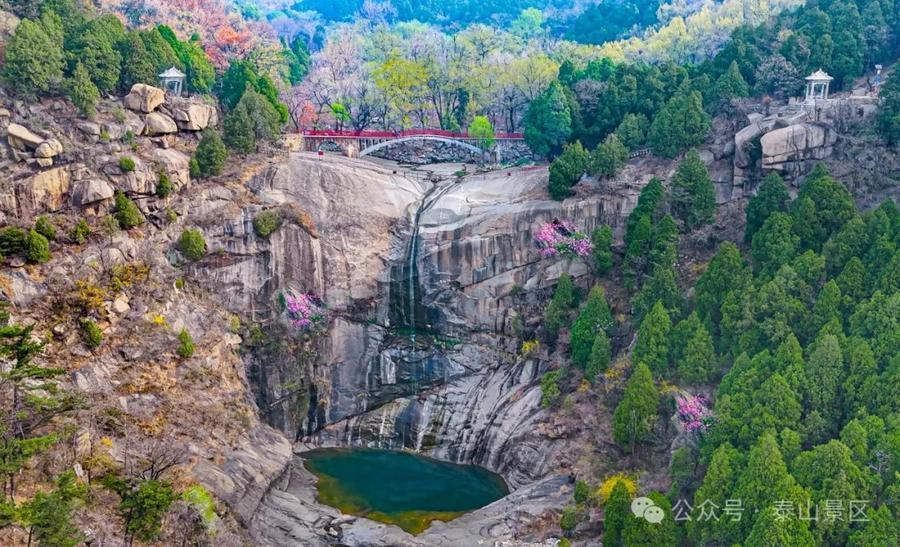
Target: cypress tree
34,60
616,510
718,485
602,239
83,92
601,353
557,311
772,197
652,345
640,531
609,157
211,154
636,414
824,378
731,84
774,244
548,122
632,132
693,194
724,273
699,362
680,124
239,133
594,317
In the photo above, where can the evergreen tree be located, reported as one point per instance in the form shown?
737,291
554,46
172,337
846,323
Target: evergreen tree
772,197
48,516
681,334
609,157
601,353
556,315
718,485
879,528
699,362
827,307
636,414
852,281
824,377
680,124
239,77
774,244
137,64
660,287
211,154
37,248
637,250
567,169
96,47
731,84
83,92
725,272
640,531
693,195
822,207
239,133
34,60
595,317
632,132
772,531
602,239
143,506
548,122
888,117
652,345
852,240
615,511
765,480
649,202
861,385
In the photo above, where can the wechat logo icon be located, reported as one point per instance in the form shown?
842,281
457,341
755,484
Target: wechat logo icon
644,508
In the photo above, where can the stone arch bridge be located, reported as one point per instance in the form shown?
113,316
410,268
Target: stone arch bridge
363,143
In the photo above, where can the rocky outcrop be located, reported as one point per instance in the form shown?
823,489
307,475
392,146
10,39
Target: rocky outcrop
244,476
32,148
157,123
86,192
192,115
790,148
176,165
144,98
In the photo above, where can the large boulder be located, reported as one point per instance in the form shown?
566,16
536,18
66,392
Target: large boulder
177,165
21,138
144,98
49,149
45,191
90,191
159,124
195,116
788,148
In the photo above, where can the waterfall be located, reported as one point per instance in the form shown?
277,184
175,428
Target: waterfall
424,424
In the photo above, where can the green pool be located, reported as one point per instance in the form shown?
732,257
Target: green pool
400,487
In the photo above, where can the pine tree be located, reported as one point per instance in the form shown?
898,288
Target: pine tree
772,197
640,531
601,353
556,315
34,60
609,157
680,124
852,240
880,528
37,248
769,531
602,239
693,195
824,378
725,272
861,385
594,317
888,120
637,250
699,362
239,133
718,485
765,480
83,92
661,286
211,154
96,47
731,84
774,244
138,66
126,212
852,281
822,207
632,132
567,169
652,345
548,122
681,334
48,516
827,307
615,511
636,414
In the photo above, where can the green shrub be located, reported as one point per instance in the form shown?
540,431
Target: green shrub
191,244
92,334
12,240
194,168
266,222
582,492
37,248
170,215
81,232
569,518
550,391
211,154
127,212
164,187
45,227
110,225
185,344
126,164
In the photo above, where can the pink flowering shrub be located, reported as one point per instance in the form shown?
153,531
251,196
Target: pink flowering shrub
561,238
694,413
304,311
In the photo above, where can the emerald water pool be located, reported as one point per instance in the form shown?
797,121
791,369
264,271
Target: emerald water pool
400,488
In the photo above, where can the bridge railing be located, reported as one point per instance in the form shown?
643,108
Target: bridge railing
401,134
